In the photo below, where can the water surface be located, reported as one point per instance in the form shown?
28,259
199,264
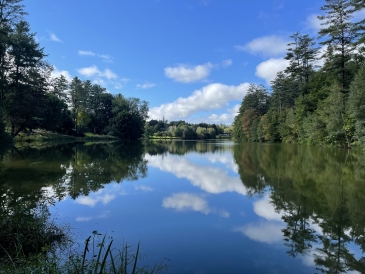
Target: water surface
209,207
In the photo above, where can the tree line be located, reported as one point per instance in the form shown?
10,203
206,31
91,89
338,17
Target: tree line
184,130
310,103
31,98
322,210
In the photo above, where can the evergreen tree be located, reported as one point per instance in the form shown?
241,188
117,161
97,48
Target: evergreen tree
302,54
356,106
28,79
341,33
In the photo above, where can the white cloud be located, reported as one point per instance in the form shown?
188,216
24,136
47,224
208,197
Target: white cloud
212,96
109,74
210,179
89,71
57,73
86,53
268,69
53,37
191,202
144,188
83,219
313,22
186,201
227,63
225,118
92,201
87,219
145,86
265,209
94,71
226,159
106,58
188,74
267,45
266,232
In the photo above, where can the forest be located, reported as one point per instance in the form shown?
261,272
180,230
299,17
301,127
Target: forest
319,99
30,98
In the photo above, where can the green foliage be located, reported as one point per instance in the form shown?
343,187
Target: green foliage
329,196
25,230
356,107
128,117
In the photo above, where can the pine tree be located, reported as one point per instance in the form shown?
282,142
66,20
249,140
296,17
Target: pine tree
341,33
302,54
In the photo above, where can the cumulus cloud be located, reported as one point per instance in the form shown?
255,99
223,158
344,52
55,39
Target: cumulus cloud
53,37
57,73
267,45
225,118
210,179
145,86
268,69
89,71
212,96
94,71
188,74
265,232
227,63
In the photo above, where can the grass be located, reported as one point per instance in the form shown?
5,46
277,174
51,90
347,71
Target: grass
39,136
98,257
30,242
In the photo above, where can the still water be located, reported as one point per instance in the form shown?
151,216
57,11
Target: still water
209,207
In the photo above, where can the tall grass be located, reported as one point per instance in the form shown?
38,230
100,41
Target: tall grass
32,243
105,259
98,257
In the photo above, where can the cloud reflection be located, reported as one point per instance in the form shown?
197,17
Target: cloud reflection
186,201
264,232
210,179
191,202
265,209
89,218
92,201
143,188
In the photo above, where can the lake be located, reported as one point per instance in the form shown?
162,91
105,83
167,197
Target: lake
208,206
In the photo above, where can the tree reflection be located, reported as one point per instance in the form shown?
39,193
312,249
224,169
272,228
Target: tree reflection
311,187
68,169
182,147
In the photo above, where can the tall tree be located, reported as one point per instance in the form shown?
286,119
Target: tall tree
78,98
302,54
28,78
341,33
11,12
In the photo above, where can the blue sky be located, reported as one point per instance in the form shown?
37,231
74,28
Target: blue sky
190,59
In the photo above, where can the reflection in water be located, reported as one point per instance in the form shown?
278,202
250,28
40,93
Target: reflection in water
308,200
188,201
210,179
311,187
72,169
